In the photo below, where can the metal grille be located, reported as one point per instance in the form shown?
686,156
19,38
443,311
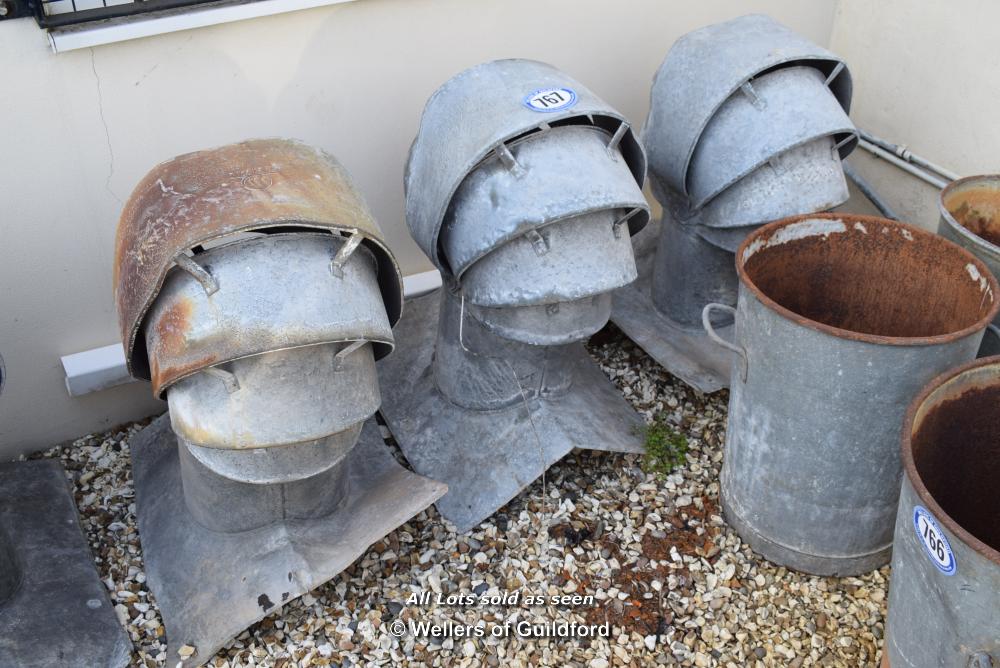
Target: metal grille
60,13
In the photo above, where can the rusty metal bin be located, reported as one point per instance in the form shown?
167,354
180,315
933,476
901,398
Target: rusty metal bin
944,596
970,216
841,320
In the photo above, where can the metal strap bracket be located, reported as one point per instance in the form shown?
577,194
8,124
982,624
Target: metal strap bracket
344,254
227,377
616,140
508,160
538,242
199,273
338,359
757,101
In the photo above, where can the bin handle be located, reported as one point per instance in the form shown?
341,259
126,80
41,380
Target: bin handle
706,322
995,329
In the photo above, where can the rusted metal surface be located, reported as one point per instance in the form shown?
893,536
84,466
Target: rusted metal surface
198,197
478,112
943,604
272,292
972,205
970,216
840,320
909,288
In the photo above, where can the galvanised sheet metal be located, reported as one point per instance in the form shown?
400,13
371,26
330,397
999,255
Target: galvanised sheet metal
547,324
277,399
944,595
54,609
475,113
489,452
841,320
689,272
277,465
212,583
705,67
273,292
805,179
561,173
569,260
970,216
196,198
788,107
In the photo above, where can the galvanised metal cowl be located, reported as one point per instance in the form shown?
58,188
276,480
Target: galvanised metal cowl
840,320
707,67
490,109
524,188
780,111
945,589
256,294
747,124
259,294
199,198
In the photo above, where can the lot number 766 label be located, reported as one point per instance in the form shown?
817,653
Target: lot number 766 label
934,541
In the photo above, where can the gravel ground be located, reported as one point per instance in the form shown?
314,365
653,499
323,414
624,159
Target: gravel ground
675,583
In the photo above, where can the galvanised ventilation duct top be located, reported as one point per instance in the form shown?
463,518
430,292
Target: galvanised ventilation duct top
523,187
747,124
256,291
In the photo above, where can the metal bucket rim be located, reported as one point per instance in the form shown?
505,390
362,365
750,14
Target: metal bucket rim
981,243
910,467
847,334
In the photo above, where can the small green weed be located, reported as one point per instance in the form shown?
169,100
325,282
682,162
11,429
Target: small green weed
666,448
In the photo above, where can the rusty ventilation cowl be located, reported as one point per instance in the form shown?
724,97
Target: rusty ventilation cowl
190,201
256,292
524,189
747,124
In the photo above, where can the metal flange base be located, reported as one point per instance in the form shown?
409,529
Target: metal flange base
210,586
487,457
59,614
686,353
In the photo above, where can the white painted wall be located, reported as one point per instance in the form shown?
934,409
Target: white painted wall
81,128
926,74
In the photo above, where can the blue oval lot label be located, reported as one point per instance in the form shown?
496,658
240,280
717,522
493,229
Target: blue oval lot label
935,543
548,100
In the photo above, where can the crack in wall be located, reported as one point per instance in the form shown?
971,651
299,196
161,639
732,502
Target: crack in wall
107,132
